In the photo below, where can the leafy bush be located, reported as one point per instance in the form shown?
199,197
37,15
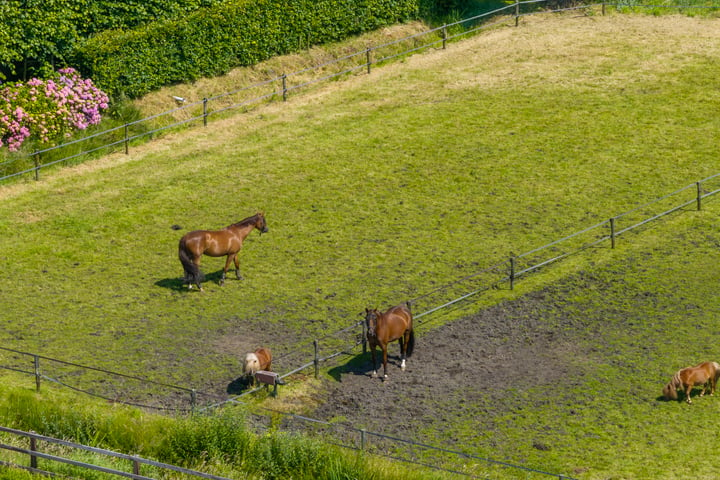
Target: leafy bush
49,109
210,42
37,34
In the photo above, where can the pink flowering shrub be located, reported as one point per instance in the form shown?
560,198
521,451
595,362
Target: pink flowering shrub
48,109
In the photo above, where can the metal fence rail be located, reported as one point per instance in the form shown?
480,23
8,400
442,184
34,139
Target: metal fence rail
135,463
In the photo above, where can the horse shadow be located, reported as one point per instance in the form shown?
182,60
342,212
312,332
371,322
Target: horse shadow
361,365
239,385
177,284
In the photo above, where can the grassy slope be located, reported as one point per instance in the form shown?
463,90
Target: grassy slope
376,191
622,329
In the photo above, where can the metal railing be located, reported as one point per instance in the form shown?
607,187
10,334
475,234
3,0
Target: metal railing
135,464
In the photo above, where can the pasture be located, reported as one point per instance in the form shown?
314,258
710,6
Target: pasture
382,187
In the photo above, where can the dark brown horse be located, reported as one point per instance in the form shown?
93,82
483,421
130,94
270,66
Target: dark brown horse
704,374
216,243
383,328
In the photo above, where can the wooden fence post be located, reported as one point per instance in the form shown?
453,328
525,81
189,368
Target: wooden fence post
317,358
284,87
368,60
37,166
512,272
205,101
193,400
127,140
36,362
517,12
33,448
362,439
364,337
612,232
444,36
699,196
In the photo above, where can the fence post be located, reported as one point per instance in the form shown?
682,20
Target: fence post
193,400
362,439
512,272
284,87
612,232
36,361
205,100
603,9
127,140
444,36
33,448
37,166
364,337
699,196
317,358
136,467
517,12
368,59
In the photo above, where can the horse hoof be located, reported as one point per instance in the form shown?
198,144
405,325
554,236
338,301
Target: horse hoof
374,374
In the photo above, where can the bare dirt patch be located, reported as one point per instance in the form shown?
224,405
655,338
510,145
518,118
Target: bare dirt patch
479,357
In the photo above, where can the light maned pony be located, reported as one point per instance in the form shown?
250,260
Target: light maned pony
383,328
216,243
704,374
260,359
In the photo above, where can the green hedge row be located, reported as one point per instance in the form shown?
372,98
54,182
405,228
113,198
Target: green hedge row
211,41
38,36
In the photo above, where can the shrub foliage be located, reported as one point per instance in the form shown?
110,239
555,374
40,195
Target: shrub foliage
211,41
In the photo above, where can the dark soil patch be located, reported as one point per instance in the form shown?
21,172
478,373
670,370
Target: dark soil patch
455,370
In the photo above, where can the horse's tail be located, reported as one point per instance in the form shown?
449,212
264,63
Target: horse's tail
192,271
411,344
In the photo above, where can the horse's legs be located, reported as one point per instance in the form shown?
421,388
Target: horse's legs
403,349
384,351
372,354
237,267
228,261
687,393
198,275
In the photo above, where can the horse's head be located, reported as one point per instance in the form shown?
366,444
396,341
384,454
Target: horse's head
260,222
251,364
670,391
371,318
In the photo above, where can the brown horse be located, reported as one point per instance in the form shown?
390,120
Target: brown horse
704,374
216,243
260,359
383,328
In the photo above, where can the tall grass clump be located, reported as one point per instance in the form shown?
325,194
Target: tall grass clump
218,442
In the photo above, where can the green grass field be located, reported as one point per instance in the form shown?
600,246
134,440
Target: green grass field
383,187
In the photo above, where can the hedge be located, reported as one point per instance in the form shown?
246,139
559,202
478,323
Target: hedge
211,41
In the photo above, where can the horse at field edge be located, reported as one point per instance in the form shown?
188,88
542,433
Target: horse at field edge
260,359
704,374
382,328
216,243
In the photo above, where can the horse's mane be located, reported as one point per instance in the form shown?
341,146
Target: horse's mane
247,221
